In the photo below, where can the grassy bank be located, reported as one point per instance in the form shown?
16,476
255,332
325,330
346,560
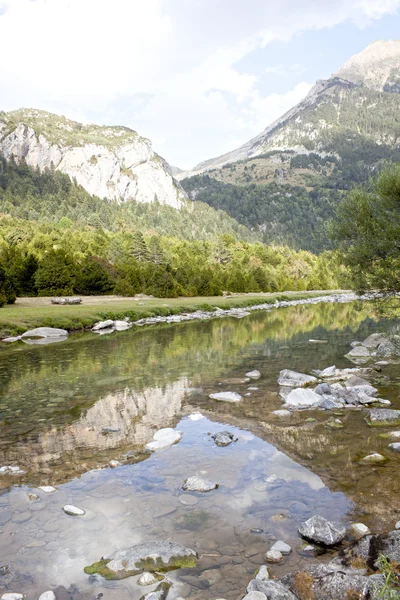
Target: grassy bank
28,313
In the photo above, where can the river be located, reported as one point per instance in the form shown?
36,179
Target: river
67,409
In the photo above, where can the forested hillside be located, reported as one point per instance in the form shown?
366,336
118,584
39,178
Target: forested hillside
57,239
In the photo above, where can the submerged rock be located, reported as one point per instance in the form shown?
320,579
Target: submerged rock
373,458
148,556
383,416
45,332
226,397
163,439
321,531
198,484
12,596
359,352
281,547
74,511
223,438
301,398
334,424
160,593
288,378
263,573
274,556
49,489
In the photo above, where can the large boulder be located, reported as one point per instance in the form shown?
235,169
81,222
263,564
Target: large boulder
288,378
321,531
302,398
385,349
45,332
359,354
149,556
374,340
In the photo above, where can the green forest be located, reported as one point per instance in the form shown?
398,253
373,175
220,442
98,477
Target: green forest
56,239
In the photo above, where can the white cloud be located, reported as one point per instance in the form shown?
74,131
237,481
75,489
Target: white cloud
166,68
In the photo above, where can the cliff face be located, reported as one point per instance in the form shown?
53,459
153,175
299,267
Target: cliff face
110,162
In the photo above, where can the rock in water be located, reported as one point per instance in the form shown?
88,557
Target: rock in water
383,416
254,596
103,325
358,352
263,574
374,340
47,596
282,547
300,398
289,378
226,397
359,530
160,593
319,530
163,439
74,511
395,446
272,590
149,578
274,556
12,596
149,556
223,438
45,332
198,484
253,374
373,458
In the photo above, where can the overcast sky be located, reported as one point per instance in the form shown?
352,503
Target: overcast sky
198,77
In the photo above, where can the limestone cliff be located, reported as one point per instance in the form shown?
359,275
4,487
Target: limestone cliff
110,162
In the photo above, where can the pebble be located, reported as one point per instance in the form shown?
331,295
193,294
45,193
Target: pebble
273,556
33,497
74,511
254,374
281,547
263,573
397,526
114,463
47,596
47,488
359,530
281,413
198,484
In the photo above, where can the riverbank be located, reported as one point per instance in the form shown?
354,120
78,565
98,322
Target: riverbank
29,313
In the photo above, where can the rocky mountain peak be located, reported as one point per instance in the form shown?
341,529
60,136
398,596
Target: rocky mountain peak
376,67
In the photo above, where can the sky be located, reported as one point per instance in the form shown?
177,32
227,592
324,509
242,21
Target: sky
197,77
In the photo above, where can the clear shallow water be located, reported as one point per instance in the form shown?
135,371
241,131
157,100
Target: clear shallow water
56,400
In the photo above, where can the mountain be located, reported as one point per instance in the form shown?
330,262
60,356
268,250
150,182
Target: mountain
115,163
287,181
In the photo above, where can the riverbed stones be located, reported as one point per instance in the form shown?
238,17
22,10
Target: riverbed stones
45,332
223,438
163,439
321,531
281,547
323,389
302,398
330,403
11,470
254,374
274,556
73,511
386,349
383,416
373,458
49,595
328,372
288,378
374,340
226,397
148,556
198,484
395,446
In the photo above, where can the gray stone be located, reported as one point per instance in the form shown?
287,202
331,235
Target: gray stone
273,590
383,416
122,325
47,488
148,556
354,380
223,438
369,390
302,398
67,300
363,398
281,547
323,389
397,526
12,596
330,403
288,378
254,374
11,470
386,348
163,439
328,372
198,484
319,530
255,596
359,530
47,596
160,593
45,332
374,340
149,578
273,556
226,397
395,446
359,352
281,413
74,511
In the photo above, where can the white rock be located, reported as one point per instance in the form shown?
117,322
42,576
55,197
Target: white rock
281,547
10,470
226,397
397,526
254,374
122,325
252,389
147,579
12,339
45,332
395,446
114,464
394,434
47,488
164,438
358,352
12,596
359,530
373,458
273,556
74,511
103,325
302,398
263,573
288,378
255,596
328,372
281,413
47,596
198,484
383,401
